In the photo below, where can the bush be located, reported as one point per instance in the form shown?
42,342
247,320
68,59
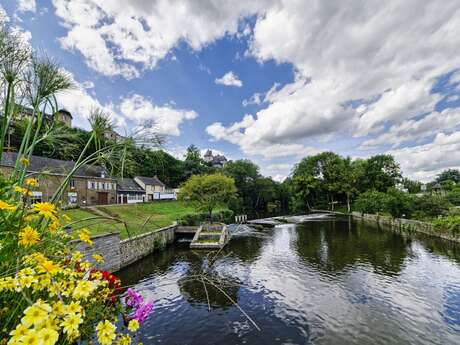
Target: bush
398,203
450,223
428,206
371,202
195,219
454,197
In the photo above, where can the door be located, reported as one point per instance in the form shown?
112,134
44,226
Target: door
103,198
125,199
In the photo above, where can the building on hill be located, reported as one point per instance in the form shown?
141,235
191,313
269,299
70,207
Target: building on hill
89,185
155,189
216,161
113,135
129,191
63,116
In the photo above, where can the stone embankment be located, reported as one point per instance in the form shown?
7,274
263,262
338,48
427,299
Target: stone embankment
407,225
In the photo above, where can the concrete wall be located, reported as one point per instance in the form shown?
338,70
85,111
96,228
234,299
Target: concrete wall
407,225
121,253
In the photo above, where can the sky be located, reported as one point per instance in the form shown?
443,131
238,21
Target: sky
268,80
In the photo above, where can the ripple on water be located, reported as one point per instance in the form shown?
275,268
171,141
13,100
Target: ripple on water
323,282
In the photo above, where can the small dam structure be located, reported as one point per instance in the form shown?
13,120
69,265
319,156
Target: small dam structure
210,236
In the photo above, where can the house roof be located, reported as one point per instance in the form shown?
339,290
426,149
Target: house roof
128,185
152,181
53,166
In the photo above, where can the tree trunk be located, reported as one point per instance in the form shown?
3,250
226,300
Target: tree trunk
332,203
348,202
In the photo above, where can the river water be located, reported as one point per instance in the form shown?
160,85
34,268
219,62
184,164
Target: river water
326,281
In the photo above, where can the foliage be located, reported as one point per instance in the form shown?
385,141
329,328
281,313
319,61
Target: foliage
452,175
194,219
371,202
380,172
430,206
398,203
450,223
208,191
412,186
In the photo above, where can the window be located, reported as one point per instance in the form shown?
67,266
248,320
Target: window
72,183
72,198
93,185
36,197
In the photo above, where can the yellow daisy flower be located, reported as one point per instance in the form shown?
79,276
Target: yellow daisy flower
99,258
48,336
31,338
28,236
85,236
4,206
24,161
133,325
71,323
83,289
31,182
105,332
45,209
36,314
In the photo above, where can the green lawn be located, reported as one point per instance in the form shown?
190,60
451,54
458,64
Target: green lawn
138,217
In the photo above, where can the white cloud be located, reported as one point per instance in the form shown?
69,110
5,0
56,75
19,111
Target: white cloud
27,6
417,130
424,162
229,79
386,56
80,104
137,109
133,35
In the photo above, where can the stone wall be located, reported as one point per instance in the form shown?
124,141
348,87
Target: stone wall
407,225
121,253
135,248
107,245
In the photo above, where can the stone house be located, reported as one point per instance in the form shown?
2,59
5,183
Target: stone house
129,192
152,185
90,185
62,115
216,161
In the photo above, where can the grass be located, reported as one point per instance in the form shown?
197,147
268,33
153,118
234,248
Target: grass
139,218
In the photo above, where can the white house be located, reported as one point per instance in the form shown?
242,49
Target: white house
155,189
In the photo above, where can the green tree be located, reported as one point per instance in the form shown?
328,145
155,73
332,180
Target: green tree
380,172
411,185
208,191
449,175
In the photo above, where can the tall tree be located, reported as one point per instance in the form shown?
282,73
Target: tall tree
380,172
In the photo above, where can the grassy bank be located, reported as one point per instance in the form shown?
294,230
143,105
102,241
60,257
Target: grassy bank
139,218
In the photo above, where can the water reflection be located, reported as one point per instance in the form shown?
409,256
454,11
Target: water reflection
322,282
337,244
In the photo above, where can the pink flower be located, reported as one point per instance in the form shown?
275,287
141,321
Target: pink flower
143,312
134,299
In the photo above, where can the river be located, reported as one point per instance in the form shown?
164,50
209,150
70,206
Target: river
326,281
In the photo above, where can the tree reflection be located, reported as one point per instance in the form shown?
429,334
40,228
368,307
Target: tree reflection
333,246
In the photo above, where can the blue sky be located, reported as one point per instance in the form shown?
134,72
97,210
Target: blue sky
269,80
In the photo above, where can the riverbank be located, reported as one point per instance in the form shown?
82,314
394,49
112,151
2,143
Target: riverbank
136,218
407,225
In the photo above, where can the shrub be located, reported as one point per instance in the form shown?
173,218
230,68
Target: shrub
431,206
398,203
450,223
371,202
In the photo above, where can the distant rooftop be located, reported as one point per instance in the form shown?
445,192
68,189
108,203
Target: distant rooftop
152,181
53,166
